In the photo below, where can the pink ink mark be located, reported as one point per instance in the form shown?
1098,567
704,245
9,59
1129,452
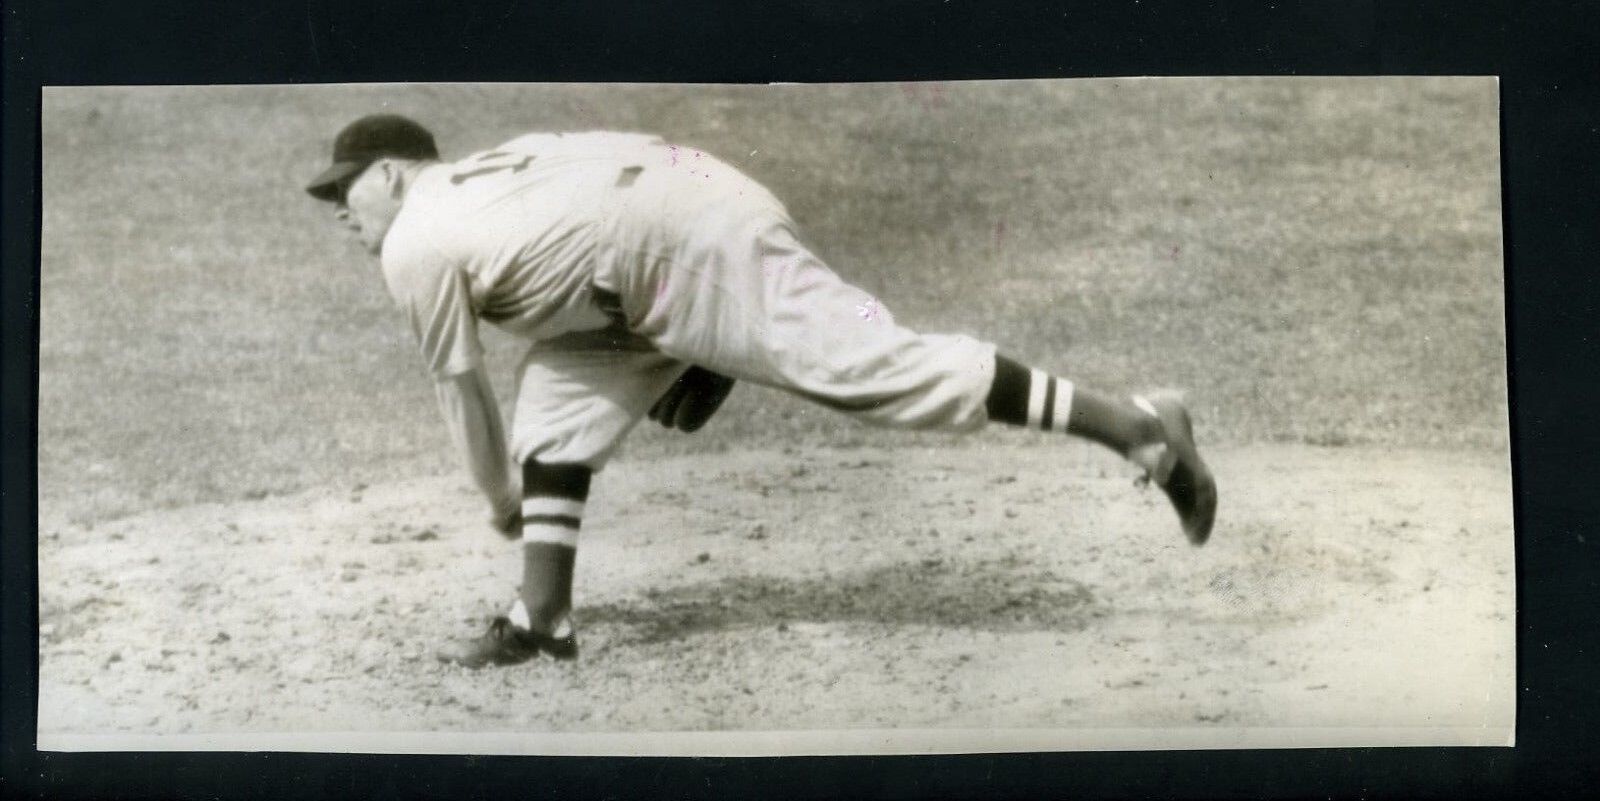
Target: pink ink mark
868,311
1000,232
673,149
772,265
661,289
1174,254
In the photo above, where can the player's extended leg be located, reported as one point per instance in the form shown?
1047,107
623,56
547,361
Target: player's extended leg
577,397
757,305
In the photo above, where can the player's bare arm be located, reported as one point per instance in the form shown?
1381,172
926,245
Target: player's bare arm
468,405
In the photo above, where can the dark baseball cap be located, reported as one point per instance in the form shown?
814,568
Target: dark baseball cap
366,140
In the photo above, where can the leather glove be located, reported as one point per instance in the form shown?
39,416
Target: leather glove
692,399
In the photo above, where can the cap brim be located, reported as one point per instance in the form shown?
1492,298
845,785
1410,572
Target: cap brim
326,185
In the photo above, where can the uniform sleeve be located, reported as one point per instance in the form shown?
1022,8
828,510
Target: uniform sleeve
438,303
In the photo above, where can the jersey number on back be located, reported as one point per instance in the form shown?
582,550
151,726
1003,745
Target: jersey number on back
492,162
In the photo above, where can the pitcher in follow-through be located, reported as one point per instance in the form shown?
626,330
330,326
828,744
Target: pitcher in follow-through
647,279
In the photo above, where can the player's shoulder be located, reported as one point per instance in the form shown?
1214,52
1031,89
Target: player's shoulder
418,245
428,215
575,142
526,143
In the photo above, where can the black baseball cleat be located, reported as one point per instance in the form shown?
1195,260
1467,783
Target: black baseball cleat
1179,472
504,644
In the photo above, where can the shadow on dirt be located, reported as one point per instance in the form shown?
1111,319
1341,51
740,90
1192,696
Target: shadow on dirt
1000,595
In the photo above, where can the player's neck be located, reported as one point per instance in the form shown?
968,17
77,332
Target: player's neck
409,171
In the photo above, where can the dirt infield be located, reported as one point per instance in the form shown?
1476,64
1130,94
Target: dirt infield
1019,586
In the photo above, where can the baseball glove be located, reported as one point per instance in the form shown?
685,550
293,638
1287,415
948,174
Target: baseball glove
692,399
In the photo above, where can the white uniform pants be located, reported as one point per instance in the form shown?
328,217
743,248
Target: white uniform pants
747,300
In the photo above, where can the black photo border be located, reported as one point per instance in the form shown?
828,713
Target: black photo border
1547,56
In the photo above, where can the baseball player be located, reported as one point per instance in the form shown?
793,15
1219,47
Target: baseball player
647,279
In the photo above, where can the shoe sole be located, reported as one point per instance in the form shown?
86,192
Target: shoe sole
563,649
1175,422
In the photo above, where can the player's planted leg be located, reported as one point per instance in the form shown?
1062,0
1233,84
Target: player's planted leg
539,621
544,603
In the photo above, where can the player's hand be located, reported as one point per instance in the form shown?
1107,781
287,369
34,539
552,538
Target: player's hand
506,518
692,399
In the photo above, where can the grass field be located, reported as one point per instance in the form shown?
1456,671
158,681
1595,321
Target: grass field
1315,260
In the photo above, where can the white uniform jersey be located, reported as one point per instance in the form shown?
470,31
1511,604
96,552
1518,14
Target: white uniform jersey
705,268
515,236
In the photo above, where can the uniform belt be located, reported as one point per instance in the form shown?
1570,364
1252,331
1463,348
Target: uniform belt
610,304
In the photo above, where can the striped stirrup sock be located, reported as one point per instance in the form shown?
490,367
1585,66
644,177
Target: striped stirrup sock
1023,396
553,496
